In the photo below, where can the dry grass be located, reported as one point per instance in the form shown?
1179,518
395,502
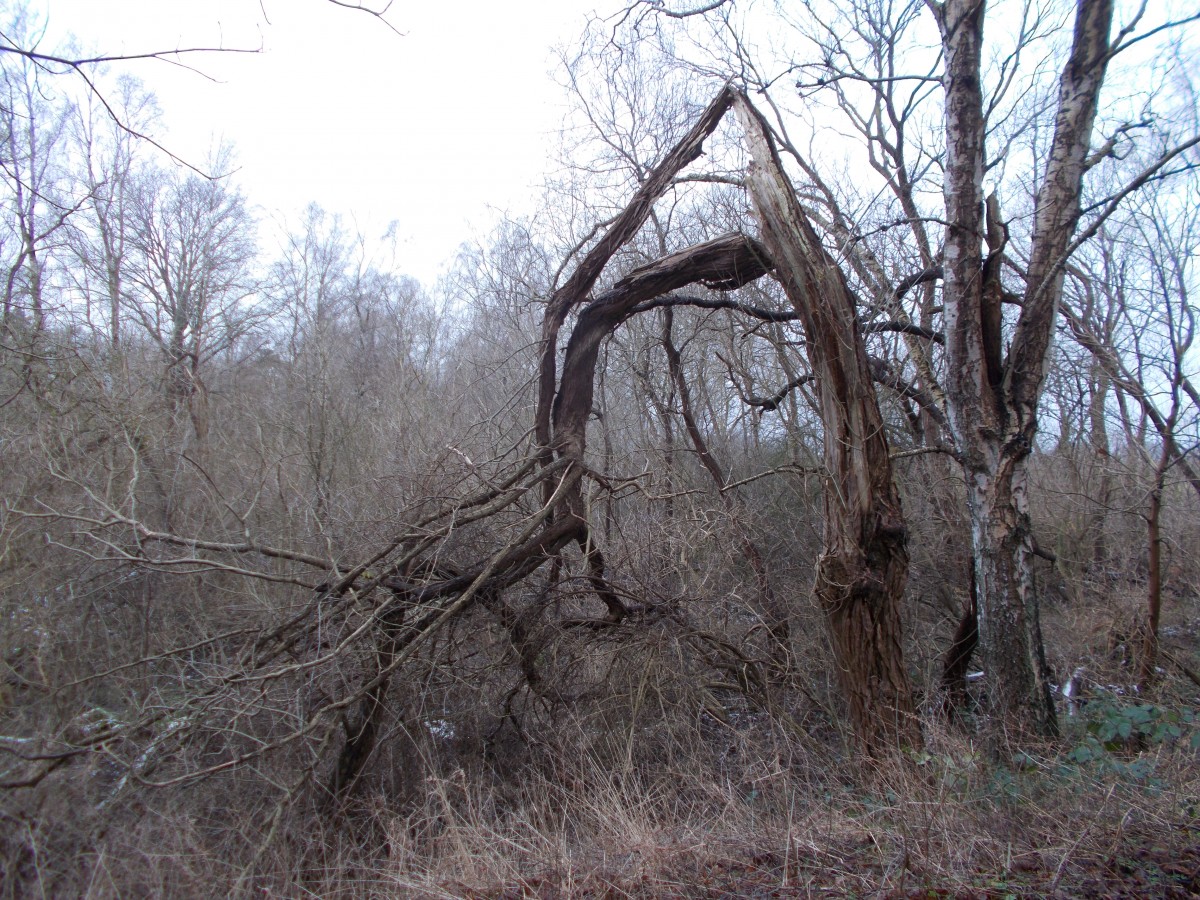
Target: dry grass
632,790
954,824
754,814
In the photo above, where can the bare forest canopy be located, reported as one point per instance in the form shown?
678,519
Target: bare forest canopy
832,422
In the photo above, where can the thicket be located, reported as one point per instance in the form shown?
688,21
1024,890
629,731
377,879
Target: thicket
291,605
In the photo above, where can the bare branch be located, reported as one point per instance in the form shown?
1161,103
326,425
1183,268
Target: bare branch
377,13
659,7
1107,207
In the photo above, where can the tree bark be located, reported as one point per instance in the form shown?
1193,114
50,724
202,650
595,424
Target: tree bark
1154,579
863,569
993,412
584,278
362,736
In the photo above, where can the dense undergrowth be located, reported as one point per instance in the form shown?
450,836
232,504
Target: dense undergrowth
315,582
634,799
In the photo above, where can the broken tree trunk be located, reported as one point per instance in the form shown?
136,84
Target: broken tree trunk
723,263
569,441
626,225
863,569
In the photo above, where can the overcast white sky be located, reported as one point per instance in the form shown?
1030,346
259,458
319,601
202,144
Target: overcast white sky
429,129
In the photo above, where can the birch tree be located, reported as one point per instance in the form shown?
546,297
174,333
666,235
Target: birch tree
992,397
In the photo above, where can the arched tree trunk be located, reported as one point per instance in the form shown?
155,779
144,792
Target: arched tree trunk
863,569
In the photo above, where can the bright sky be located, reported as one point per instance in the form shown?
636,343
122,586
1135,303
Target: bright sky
434,129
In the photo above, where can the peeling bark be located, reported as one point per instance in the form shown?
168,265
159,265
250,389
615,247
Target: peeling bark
993,411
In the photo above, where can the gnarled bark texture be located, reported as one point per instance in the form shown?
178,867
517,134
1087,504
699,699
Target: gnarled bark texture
863,568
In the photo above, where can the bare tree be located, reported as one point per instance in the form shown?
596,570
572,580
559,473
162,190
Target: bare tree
992,398
874,67
108,157
23,43
189,280
33,127
1138,320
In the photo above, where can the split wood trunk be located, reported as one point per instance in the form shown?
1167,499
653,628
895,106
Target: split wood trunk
863,568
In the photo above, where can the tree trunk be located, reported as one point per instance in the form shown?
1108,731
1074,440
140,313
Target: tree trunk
1098,428
862,572
362,736
992,398
1010,635
1154,577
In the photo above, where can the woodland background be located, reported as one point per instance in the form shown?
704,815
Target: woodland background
310,586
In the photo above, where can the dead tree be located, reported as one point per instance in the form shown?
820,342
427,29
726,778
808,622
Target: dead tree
392,602
863,568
